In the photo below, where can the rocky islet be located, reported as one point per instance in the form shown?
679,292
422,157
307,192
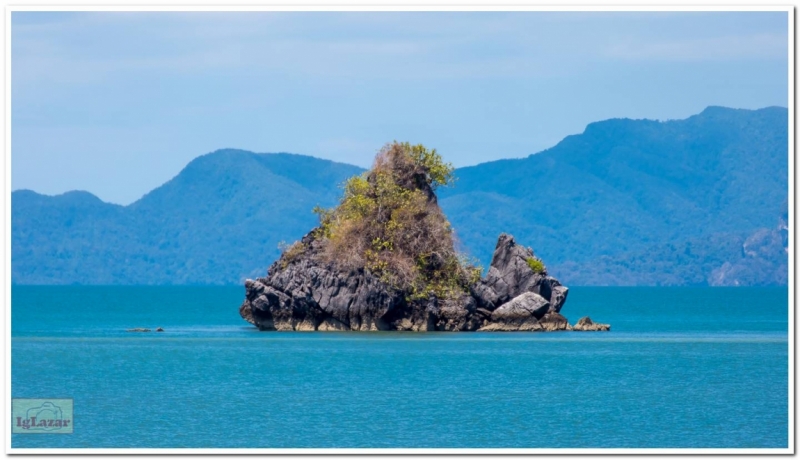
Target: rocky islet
385,259
308,294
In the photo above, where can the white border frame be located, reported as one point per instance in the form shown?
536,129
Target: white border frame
361,5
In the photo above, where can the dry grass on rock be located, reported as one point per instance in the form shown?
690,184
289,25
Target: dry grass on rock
389,222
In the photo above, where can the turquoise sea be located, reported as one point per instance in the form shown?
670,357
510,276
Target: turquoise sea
681,367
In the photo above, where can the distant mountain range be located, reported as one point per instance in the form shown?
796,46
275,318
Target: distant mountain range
638,202
217,222
700,201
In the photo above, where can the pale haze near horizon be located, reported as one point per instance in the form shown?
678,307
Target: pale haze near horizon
118,103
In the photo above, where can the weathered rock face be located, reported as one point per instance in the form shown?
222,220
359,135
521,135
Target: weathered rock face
303,293
510,275
554,321
520,313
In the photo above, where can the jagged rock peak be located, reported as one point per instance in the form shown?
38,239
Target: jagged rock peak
384,259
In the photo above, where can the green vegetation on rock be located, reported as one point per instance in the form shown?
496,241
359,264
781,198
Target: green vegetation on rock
536,265
389,222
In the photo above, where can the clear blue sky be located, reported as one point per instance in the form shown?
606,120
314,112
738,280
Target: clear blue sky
117,103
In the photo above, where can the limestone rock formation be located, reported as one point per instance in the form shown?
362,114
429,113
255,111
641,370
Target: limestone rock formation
305,293
384,259
554,321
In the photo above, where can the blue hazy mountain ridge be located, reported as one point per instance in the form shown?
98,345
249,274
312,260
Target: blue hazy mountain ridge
627,202
216,222
638,201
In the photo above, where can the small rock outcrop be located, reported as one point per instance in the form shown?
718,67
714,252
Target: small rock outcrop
586,324
138,329
304,293
384,259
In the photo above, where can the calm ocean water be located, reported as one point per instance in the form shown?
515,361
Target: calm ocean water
682,367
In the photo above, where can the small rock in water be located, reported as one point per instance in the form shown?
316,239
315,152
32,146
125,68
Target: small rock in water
160,329
586,324
139,329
